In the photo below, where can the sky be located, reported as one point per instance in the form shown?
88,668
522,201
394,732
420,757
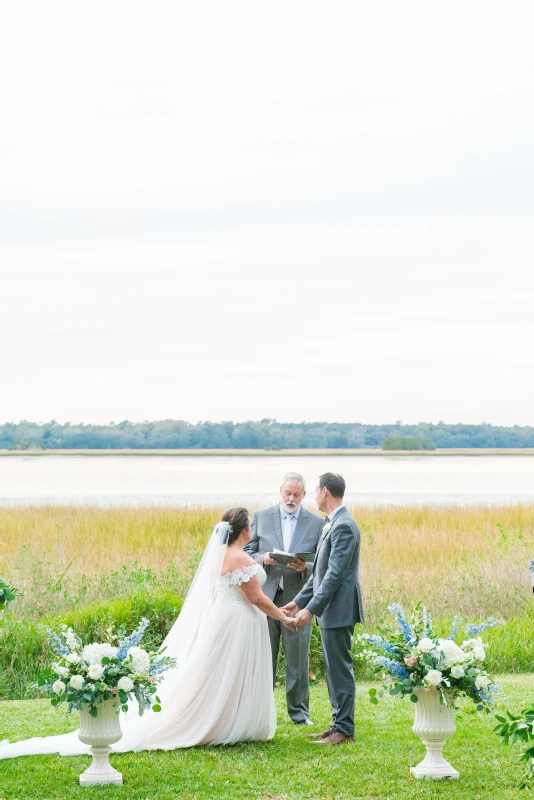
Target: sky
294,210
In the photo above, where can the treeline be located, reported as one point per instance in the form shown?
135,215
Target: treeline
265,434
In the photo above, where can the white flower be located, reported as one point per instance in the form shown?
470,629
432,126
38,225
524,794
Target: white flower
433,677
77,682
326,528
479,653
63,672
95,671
95,652
458,671
126,684
453,654
72,640
58,687
426,645
482,682
139,661
74,658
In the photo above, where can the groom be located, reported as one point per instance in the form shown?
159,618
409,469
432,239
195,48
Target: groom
333,594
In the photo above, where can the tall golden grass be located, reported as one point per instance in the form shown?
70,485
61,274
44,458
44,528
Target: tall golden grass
473,560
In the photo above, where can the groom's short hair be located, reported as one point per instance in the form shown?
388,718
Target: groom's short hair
333,482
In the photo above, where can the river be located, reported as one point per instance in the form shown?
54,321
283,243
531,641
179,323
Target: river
181,481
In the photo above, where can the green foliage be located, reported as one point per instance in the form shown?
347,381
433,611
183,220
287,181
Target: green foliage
8,594
514,728
407,443
266,434
25,650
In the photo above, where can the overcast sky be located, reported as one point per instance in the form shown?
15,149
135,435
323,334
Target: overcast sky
237,210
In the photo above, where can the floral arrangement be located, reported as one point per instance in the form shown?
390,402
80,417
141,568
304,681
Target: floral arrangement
520,728
90,674
7,594
415,658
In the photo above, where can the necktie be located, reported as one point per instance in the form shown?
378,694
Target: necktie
287,534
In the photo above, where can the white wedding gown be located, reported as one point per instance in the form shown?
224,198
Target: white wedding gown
221,694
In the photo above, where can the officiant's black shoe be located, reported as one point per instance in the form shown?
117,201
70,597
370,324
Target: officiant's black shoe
335,738
306,721
323,735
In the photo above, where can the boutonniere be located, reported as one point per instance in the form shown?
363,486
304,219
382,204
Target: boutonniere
326,528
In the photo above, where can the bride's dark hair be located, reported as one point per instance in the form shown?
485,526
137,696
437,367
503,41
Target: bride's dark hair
238,520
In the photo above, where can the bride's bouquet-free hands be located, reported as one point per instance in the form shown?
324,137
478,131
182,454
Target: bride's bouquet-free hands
90,674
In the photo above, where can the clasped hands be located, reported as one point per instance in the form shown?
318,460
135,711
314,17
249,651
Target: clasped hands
298,614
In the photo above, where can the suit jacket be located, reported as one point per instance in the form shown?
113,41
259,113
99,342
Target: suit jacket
267,535
333,592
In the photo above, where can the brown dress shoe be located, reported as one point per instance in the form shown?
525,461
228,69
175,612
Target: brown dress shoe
323,735
335,738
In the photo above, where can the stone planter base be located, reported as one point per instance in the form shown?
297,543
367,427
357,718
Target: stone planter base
434,723
99,732
100,770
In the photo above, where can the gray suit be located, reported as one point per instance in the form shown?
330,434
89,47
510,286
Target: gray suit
333,594
266,536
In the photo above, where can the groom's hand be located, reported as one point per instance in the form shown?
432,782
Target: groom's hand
290,608
303,618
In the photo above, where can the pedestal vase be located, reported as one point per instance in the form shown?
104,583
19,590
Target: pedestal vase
434,723
100,732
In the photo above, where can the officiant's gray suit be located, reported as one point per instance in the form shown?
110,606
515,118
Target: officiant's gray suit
333,594
267,536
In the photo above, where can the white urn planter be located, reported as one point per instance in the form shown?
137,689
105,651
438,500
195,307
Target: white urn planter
100,732
434,723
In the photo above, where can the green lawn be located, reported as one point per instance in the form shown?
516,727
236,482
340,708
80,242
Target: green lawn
375,767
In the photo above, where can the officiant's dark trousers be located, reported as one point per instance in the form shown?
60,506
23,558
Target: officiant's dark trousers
340,676
296,646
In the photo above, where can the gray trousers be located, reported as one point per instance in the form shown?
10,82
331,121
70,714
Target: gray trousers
340,676
296,647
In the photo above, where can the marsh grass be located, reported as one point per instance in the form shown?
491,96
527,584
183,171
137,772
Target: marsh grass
472,560
96,568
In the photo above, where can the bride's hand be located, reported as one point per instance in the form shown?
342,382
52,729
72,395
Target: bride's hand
289,623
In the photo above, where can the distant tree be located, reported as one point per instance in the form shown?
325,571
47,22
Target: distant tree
407,443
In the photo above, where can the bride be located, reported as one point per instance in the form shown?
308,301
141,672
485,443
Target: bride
221,689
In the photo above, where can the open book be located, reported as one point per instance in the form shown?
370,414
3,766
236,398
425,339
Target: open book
284,558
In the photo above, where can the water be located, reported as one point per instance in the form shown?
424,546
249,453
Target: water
227,480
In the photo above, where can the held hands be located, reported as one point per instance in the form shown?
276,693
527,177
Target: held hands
303,618
291,609
290,623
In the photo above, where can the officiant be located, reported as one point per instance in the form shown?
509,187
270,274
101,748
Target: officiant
288,527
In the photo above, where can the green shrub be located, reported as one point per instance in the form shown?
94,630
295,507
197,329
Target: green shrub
24,647
408,443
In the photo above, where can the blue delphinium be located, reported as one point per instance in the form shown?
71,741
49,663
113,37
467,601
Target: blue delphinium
427,622
455,627
397,610
474,630
133,639
58,645
393,666
378,641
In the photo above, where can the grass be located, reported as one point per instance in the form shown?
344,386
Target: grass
375,767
